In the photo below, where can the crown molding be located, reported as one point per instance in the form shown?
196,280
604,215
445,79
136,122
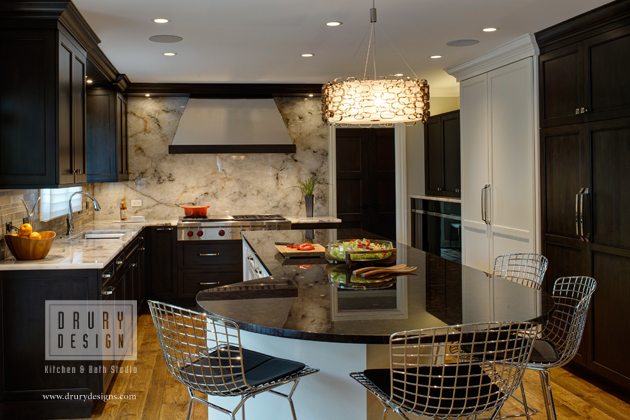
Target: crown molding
522,47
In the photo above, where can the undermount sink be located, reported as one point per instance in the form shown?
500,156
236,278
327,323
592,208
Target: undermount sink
104,234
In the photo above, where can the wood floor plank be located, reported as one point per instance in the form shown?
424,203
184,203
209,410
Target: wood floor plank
160,396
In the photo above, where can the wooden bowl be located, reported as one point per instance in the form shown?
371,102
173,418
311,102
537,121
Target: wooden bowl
30,249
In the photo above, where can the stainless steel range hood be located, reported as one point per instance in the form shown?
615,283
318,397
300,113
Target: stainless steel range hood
231,126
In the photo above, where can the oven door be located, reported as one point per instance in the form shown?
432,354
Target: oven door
437,229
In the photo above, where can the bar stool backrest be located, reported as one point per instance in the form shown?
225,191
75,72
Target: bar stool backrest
564,330
464,370
527,269
201,351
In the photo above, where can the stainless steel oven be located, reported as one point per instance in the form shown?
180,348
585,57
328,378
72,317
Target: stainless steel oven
436,228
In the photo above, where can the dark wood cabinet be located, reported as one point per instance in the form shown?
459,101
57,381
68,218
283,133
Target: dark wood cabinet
442,155
42,103
107,154
585,174
161,275
202,265
587,80
444,289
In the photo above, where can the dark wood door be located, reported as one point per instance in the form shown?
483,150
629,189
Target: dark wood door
434,156
161,276
366,193
562,85
101,144
608,87
452,165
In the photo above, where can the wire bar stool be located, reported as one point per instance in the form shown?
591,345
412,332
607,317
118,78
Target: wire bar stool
560,338
527,269
204,353
451,372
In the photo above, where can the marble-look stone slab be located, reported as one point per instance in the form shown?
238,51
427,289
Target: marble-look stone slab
229,183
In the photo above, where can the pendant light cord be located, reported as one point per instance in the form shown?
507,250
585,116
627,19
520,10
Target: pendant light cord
372,42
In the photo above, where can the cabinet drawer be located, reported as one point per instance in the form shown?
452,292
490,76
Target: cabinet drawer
214,253
194,281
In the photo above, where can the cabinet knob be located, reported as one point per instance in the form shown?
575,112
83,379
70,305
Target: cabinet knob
78,171
119,262
583,110
439,188
108,291
577,111
106,276
457,190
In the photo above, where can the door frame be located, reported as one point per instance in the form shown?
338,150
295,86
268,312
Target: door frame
403,229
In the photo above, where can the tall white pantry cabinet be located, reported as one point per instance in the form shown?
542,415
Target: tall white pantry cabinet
499,153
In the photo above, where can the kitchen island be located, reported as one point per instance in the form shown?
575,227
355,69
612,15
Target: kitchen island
303,310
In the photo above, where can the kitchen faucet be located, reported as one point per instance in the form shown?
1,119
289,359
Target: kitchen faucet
70,222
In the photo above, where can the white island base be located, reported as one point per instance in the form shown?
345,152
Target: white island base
330,394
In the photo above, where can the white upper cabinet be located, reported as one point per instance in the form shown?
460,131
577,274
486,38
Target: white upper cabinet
499,153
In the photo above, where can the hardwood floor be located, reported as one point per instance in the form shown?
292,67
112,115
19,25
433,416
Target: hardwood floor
159,396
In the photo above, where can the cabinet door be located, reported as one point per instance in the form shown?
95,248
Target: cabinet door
475,172
101,145
27,117
78,117
65,111
562,86
607,74
564,174
513,141
121,138
161,278
452,163
434,156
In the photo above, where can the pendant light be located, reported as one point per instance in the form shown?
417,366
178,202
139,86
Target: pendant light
380,101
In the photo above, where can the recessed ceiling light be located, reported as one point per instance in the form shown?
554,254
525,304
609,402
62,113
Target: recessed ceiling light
399,74
462,42
169,54
490,29
89,81
334,23
160,20
435,57
148,95
307,55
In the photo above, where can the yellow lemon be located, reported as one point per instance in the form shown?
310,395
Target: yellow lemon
25,230
35,235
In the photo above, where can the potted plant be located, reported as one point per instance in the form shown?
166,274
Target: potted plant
307,187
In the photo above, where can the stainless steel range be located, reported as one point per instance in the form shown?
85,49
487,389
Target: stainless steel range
227,227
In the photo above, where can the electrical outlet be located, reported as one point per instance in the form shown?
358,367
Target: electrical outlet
136,203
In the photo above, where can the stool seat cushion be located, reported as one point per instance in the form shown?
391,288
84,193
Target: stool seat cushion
220,371
440,391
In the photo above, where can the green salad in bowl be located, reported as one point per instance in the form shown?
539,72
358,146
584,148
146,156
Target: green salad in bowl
366,250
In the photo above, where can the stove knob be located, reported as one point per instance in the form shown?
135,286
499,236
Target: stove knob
221,232
200,233
190,234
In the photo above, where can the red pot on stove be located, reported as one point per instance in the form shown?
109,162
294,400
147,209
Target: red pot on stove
195,211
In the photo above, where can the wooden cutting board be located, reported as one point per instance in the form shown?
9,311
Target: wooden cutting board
287,252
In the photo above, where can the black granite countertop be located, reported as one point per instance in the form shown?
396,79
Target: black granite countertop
308,298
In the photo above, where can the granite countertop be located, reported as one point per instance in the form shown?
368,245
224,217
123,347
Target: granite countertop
76,253
310,299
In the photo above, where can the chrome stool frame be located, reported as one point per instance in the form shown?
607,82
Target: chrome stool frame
453,371
527,269
563,331
204,353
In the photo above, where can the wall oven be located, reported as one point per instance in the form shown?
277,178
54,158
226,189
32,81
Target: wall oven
436,228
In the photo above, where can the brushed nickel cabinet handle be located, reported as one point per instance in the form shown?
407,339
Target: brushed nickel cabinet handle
106,275
209,254
208,283
108,291
486,203
585,191
577,212
164,229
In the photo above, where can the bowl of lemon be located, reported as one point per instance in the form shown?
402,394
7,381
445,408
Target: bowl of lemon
29,245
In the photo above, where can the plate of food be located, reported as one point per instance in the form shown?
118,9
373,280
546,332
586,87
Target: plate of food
360,250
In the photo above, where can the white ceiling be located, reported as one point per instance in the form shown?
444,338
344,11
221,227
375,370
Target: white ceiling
261,41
